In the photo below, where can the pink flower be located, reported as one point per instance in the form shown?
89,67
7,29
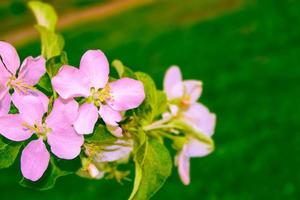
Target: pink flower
193,148
184,92
183,96
56,128
22,82
200,118
102,98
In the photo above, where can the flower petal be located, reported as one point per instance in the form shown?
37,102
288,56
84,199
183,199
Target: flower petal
71,82
115,130
31,108
176,92
173,78
5,103
94,65
193,89
32,70
109,115
65,143
63,111
34,160
11,127
126,94
10,58
183,163
87,118
195,148
199,117
121,150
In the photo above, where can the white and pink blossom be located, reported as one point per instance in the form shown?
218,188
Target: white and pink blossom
56,129
104,98
183,97
20,78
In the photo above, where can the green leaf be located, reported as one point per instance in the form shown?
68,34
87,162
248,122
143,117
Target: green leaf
153,167
146,112
44,84
55,63
52,43
101,136
162,103
48,180
44,14
8,152
122,70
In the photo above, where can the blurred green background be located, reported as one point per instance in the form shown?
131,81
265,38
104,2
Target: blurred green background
246,52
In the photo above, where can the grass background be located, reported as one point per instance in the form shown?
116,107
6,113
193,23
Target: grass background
249,62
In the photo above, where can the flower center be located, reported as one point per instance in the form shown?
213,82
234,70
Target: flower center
99,96
185,101
19,85
40,130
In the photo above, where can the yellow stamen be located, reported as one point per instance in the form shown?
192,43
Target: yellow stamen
19,85
100,96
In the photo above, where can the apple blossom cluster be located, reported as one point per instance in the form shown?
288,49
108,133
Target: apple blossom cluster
88,100
65,124
60,119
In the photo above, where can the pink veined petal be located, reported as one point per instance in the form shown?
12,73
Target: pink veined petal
31,108
183,163
193,89
42,97
94,65
11,127
195,148
176,92
172,78
65,143
115,130
4,77
5,103
109,115
36,93
71,82
199,117
3,87
126,94
10,58
32,69
63,111
121,150
34,160
86,120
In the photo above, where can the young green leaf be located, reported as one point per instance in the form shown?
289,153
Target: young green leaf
162,103
101,136
153,167
122,70
52,43
146,112
48,180
8,152
44,84
44,14
55,63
